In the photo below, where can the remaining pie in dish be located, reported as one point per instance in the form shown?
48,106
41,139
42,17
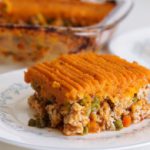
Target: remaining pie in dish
74,13
37,30
88,93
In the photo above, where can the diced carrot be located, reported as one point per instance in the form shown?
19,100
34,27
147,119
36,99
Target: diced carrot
93,127
92,116
127,120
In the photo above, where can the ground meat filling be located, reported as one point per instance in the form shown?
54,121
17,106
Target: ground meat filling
76,119
90,114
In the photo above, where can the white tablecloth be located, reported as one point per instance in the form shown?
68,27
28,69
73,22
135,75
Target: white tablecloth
138,18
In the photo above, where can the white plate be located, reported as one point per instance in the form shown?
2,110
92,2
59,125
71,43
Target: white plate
14,115
133,46
9,67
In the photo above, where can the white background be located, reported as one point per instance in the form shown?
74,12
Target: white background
138,18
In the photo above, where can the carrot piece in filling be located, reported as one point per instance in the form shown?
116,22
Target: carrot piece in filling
126,120
93,127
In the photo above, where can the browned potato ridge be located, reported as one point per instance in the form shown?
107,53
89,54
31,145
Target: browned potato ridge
71,77
84,13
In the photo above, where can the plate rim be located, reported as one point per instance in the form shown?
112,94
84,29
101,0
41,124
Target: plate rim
31,146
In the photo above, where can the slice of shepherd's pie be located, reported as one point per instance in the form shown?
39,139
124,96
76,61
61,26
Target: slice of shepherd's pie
88,93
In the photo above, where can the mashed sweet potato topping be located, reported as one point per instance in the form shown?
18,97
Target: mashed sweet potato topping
54,12
71,77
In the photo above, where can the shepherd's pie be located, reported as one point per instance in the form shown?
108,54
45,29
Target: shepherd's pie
88,93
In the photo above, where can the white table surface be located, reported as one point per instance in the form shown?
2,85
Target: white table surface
138,18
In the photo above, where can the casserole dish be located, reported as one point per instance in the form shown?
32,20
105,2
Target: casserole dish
27,38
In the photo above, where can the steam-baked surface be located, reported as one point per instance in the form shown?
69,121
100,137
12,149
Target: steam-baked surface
71,77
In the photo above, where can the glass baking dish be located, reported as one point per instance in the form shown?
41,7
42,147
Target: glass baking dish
34,43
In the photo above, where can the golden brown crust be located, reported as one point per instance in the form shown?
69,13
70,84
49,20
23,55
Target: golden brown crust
84,74
82,12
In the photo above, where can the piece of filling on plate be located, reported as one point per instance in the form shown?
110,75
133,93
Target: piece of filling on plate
88,93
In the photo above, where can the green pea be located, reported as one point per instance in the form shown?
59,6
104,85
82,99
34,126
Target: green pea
32,123
135,99
85,130
88,111
68,107
40,123
95,104
82,102
118,124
